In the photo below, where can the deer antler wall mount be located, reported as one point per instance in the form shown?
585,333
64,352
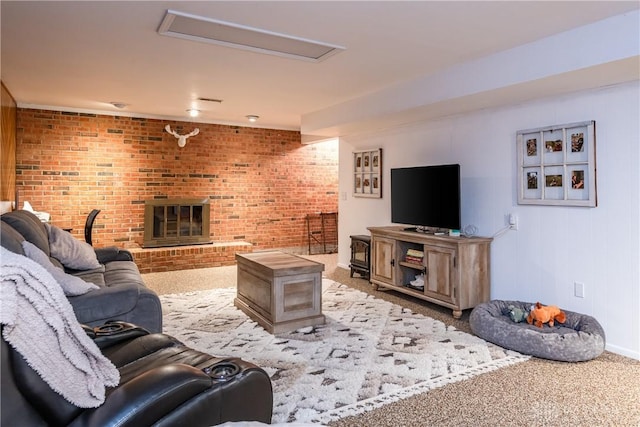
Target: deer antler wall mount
182,139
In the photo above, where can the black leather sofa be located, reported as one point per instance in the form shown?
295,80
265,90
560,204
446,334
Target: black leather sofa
122,295
162,383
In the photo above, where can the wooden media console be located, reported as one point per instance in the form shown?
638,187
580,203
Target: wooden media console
455,269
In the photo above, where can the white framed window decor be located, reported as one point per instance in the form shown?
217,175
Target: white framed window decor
557,165
367,173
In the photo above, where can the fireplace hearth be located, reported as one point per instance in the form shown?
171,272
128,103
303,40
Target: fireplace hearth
176,222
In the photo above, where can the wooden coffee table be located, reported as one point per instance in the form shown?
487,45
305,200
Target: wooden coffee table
282,292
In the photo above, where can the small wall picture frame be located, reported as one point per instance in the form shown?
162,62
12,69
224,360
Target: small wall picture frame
367,173
557,165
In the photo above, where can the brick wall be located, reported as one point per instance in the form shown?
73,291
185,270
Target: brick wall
261,182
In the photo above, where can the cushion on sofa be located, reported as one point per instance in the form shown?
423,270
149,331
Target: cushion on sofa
71,252
122,272
95,275
30,227
71,285
10,238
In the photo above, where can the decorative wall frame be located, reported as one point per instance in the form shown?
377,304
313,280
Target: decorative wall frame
367,173
557,165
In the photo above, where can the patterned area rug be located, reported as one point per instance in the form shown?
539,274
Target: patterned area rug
369,352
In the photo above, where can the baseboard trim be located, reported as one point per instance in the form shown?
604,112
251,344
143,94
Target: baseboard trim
623,351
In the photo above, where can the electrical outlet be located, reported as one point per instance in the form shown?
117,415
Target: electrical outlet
513,221
578,289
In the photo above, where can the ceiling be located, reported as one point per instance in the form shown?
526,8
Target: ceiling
84,55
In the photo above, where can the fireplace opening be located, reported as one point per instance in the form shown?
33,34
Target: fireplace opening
176,222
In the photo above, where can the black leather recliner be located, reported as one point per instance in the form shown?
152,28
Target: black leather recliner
162,383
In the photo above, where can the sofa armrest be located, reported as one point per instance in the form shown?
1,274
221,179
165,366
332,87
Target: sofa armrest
112,253
113,332
147,398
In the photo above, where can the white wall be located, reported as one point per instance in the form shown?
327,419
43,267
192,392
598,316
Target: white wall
554,246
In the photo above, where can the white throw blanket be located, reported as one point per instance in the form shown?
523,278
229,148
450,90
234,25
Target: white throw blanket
40,324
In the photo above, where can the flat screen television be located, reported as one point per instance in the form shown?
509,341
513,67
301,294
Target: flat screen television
427,197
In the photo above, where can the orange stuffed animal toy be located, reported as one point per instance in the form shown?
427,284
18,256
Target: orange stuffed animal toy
541,314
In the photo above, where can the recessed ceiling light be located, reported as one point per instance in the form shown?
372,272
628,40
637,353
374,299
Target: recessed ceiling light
193,112
119,104
252,118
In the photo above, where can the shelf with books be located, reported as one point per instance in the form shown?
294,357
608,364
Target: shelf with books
413,258
414,265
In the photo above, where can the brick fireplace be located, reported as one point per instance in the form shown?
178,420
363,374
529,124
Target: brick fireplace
260,183
176,222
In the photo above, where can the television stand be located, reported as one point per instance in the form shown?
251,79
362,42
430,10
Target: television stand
456,269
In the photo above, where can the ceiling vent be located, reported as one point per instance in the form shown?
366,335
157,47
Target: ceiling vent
200,28
217,101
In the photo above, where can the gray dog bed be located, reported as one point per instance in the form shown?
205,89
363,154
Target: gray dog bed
580,338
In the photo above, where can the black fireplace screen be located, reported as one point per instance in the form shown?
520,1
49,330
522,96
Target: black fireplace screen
174,222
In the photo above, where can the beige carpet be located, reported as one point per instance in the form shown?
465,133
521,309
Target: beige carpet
601,392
